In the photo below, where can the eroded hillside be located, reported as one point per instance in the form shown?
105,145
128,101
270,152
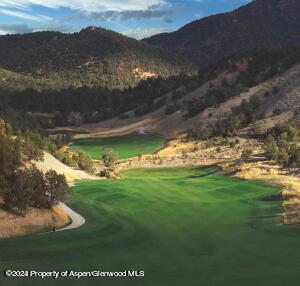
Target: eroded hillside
279,102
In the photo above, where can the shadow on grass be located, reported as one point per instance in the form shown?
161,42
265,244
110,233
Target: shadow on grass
206,171
278,197
211,170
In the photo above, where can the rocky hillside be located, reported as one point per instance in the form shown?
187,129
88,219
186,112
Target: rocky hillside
277,100
260,24
93,57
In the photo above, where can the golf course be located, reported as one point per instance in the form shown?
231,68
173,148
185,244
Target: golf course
190,226
126,146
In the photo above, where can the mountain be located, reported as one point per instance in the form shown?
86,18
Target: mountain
267,92
93,57
260,24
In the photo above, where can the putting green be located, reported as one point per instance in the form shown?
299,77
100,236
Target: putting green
126,146
186,227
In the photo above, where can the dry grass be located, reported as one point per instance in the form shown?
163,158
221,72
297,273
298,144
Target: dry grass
180,153
269,171
35,221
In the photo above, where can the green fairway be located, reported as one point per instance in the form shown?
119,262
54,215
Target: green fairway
183,227
126,146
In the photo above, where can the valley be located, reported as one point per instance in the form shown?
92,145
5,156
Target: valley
175,153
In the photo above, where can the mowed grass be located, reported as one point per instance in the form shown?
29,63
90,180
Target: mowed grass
126,146
186,227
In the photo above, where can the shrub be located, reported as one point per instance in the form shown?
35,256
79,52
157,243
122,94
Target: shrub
32,150
69,160
275,89
56,187
201,131
30,188
231,144
277,111
281,144
17,196
256,129
109,158
85,162
246,154
184,154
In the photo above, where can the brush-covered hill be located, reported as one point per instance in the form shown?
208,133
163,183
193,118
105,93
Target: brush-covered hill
260,24
93,57
261,87
178,98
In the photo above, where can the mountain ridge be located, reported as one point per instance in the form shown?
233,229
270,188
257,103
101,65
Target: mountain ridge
93,57
259,24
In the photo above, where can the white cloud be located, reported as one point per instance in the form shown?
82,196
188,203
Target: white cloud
140,33
25,28
15,28
152,12
84,5
25,16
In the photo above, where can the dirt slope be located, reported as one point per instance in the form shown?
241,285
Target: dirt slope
34,221
51,163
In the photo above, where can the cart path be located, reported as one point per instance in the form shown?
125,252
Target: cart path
76,219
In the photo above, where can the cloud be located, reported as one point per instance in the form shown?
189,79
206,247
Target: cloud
15,29
84,5
168,20
96,10
23,15
140,33
152,12
24,28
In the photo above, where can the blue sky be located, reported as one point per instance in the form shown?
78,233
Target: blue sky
135,18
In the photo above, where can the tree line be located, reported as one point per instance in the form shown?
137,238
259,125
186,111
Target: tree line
22,185
282,145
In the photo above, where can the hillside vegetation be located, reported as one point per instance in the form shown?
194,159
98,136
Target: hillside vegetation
266,90
260,24
22,185
93,57
222,82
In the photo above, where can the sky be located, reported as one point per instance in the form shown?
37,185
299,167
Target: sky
134,18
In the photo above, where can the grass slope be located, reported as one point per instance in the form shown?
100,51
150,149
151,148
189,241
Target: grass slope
126,146
183,227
